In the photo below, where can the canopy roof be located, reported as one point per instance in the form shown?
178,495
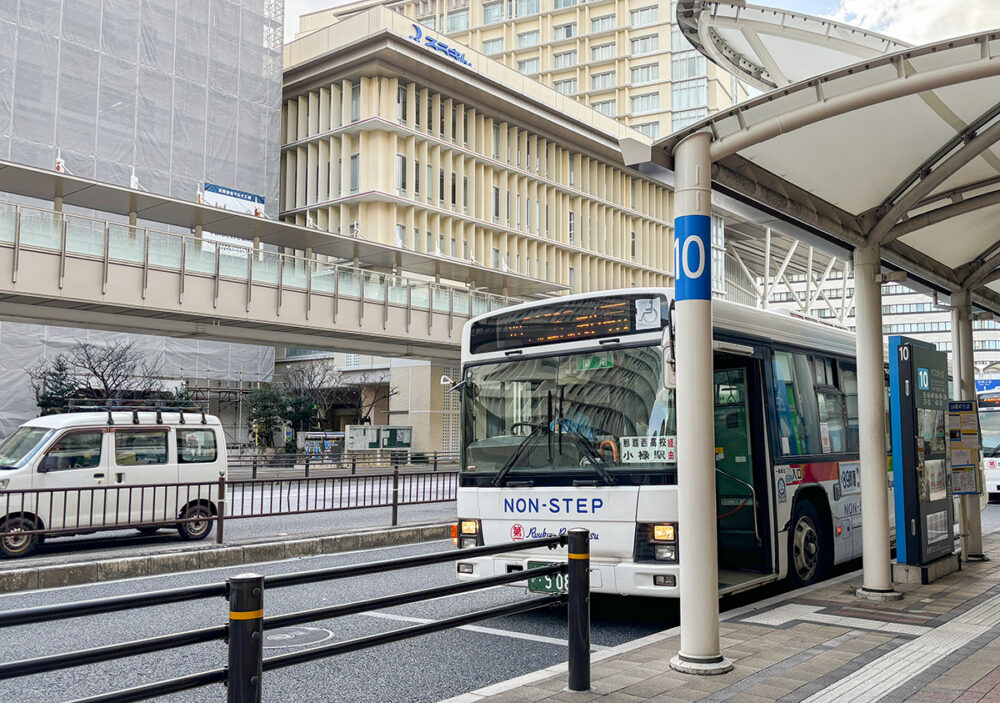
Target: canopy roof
899,150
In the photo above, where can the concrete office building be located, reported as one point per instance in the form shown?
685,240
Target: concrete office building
163,96
624,58
464,158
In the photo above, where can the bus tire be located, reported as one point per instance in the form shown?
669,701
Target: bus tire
198,528
14,546
810,551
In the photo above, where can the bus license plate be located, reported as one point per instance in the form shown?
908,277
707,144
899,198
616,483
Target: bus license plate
550,583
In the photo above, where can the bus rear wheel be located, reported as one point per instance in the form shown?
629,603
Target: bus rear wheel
810,553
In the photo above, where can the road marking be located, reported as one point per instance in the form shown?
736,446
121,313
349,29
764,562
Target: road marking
810,613
482,630
878,678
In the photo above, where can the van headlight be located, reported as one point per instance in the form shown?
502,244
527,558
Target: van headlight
4,482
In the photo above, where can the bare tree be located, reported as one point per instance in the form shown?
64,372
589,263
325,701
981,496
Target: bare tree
379,390
328,386
115,370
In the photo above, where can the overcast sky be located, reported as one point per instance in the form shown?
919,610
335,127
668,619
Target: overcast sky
915,21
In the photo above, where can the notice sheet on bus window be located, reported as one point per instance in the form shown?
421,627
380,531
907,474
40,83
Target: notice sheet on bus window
644,450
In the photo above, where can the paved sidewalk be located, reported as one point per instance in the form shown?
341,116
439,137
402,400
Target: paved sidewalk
941,642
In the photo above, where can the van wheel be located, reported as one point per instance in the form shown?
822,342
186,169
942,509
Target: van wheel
17,545
200,526
810,553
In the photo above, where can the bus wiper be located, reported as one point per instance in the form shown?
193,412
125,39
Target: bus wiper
536,431
994,452
589,452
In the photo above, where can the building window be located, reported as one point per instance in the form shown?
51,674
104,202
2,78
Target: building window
528,66
564,31
559,4
633,246
685,65
354,173
566,87
429,22
454,190
493,46
401,236
416,177
440,248
645,74
465,250
650,129
496,203
496,258
604,23
527,7
496,141
644,16
527,39
430,243
441,185
572,170
457,21
605,107
645,103
356,102
632,189
604,52
565,59
493,13
400,174
602,81
572,227
401,104
690,94
645,45
682,118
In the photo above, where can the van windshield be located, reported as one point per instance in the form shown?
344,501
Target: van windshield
20,445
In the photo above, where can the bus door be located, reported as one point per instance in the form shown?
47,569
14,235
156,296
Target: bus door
740,467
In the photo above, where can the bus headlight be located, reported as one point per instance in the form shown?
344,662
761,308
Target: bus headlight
470,527
469,534
665,552
664,533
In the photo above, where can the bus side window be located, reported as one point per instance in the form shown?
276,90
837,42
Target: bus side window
849,386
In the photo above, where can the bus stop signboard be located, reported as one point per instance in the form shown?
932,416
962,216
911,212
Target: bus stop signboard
922,483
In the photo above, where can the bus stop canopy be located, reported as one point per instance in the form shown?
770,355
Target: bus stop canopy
899,150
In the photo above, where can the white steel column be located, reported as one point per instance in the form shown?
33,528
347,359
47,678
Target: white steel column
699,573
877,581
964,379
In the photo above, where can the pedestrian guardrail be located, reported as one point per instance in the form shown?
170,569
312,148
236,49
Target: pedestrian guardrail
243,673
194,507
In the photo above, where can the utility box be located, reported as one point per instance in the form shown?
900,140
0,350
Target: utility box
918,379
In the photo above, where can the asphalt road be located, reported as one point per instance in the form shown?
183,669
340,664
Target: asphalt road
428,668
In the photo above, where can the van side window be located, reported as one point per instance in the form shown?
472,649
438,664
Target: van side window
76,450
140,447
195,446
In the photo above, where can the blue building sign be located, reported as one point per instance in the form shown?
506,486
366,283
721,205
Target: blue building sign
437,45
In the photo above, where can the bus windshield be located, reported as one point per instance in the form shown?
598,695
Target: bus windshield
989,422
561,413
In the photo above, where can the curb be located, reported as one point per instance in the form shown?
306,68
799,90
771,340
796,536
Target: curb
114,569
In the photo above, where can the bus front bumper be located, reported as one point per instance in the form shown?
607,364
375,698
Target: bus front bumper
622,578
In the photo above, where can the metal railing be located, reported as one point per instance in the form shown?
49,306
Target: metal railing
281,465
243,674
66,511
23,226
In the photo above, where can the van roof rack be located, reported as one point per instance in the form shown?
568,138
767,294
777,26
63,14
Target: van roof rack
135,407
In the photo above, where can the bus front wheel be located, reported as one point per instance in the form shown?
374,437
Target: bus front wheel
810,553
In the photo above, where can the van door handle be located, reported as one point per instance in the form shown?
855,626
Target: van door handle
120,477
98,475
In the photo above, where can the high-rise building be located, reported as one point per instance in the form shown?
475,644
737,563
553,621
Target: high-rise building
626,58
164,96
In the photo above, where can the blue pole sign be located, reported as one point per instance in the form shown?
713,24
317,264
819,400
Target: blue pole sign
693,257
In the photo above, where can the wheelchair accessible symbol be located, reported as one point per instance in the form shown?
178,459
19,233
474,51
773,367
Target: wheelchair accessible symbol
781,490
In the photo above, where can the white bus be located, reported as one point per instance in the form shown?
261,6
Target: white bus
568,421
989,424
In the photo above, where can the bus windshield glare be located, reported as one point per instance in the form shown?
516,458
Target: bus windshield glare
989,422
563,409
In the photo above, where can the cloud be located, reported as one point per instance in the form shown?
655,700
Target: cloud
920,21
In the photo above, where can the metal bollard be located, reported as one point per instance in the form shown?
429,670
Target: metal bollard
220,504
395,494
354,464
307,466
578,609
254,470
246,638
435,461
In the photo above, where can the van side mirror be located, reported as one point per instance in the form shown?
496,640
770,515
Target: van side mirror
48,463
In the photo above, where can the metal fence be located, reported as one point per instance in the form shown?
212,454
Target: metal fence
243,675
194,507
278,465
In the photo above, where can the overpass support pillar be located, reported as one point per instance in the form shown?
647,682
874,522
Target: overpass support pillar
877,581
699,574
964,379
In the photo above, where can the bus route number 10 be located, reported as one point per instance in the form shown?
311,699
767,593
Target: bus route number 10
550,583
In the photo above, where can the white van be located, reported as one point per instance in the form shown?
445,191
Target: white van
82,472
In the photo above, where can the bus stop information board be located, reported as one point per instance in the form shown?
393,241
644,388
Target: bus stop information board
918,376
963,447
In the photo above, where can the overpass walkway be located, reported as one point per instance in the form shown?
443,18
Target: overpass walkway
62,269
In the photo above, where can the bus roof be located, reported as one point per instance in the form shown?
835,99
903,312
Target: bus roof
741,320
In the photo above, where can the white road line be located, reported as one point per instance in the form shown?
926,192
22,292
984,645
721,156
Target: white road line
876,679
810,613
482,630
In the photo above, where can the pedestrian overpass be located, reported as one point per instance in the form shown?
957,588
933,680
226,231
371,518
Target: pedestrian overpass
337,293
